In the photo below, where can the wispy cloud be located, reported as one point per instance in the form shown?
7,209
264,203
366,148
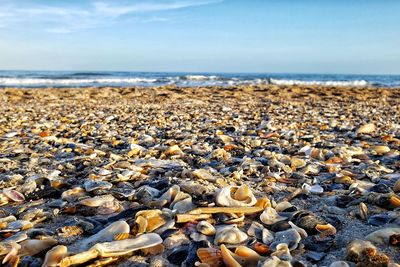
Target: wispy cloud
93,14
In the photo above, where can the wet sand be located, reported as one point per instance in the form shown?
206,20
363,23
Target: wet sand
300,146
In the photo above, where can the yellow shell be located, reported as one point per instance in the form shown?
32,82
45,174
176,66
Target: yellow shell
122,236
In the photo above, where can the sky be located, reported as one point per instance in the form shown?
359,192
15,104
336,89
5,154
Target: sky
266,36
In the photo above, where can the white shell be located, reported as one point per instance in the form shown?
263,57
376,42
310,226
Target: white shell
205,228
228,197
107,234
229,234
270,216
107,249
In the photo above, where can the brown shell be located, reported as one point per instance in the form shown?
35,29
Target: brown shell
68,231
211,256
122,236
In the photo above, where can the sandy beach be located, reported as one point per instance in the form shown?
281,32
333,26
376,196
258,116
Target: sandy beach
306,170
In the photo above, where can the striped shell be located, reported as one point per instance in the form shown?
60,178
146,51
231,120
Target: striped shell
123,236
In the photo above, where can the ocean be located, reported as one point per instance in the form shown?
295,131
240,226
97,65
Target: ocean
125,78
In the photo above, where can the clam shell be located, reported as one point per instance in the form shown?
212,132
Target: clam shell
205,228
73,194
203,175
229,234
234,196
54,256
270,216
380,149
13,195
96,201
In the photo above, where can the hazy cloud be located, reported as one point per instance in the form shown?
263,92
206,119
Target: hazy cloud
65,19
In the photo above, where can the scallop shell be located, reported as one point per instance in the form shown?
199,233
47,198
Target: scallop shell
234,196
270,216
205,228
109,208
229,234
54,256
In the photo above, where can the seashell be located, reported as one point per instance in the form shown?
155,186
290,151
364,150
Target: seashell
290,237
382,236
307,221
325,229
91,185
380,149
203,175
229,234
282,252
257,230
13,195
68,231
122,236
283,206
183,205
205,228
173,150
366,128
149,220
275,262
364,253
229,218
142,224
19,225
105,235
126,246
54,256
297,163
104,172
243,256
32,247
301,231
235,196
339,264
96,201
396,187
192,187
263,203
210,256
363,210
73,194
313,189
154,250
270,216
109,208
261,248
394,201
280,226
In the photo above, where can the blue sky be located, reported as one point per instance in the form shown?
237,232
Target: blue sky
280,36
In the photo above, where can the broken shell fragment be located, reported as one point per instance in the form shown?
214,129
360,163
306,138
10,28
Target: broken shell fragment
382,236
54,256
235,196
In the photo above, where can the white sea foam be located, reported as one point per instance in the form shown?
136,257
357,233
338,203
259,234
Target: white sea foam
321,83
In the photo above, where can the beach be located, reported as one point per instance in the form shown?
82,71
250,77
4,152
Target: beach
150,161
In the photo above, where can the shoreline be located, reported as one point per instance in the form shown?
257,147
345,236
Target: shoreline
316,151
